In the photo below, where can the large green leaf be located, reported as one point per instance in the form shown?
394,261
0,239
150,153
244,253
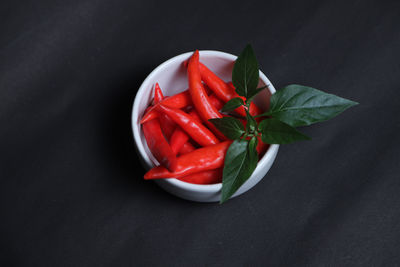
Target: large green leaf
240,162
230,127
245,73
274,131
299,105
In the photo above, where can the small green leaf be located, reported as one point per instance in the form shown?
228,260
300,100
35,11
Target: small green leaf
251,124
232,104
299,105
232,128
274,131
245,73
240,162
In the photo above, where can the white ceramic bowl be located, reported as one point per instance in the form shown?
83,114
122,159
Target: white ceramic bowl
172,77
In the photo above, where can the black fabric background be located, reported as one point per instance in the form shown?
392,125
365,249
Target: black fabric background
71,188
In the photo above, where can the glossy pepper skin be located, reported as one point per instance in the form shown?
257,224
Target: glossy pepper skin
180,100
158,94
197,131
199,95
202,159
158,145
155,139
179,137
215,101
224,91
197,92
186,148
167,125
216,84
206,177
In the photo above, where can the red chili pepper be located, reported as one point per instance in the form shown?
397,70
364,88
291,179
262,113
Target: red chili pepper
186,148
193,113
158,145
180,100
158,94
216,84
254,109
202,159
179,137
167,125
197,131
215,101
206,177
158,97
199,96
224,91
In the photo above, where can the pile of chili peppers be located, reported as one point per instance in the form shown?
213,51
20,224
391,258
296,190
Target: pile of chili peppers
178,133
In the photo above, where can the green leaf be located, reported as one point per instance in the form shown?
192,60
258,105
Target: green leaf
240,162
253,155
299,105
232,104
251,124
232,128
274,131
245,73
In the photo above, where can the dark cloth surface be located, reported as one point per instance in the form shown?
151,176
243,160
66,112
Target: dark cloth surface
71,187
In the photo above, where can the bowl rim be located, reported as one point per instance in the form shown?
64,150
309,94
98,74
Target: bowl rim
136,128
